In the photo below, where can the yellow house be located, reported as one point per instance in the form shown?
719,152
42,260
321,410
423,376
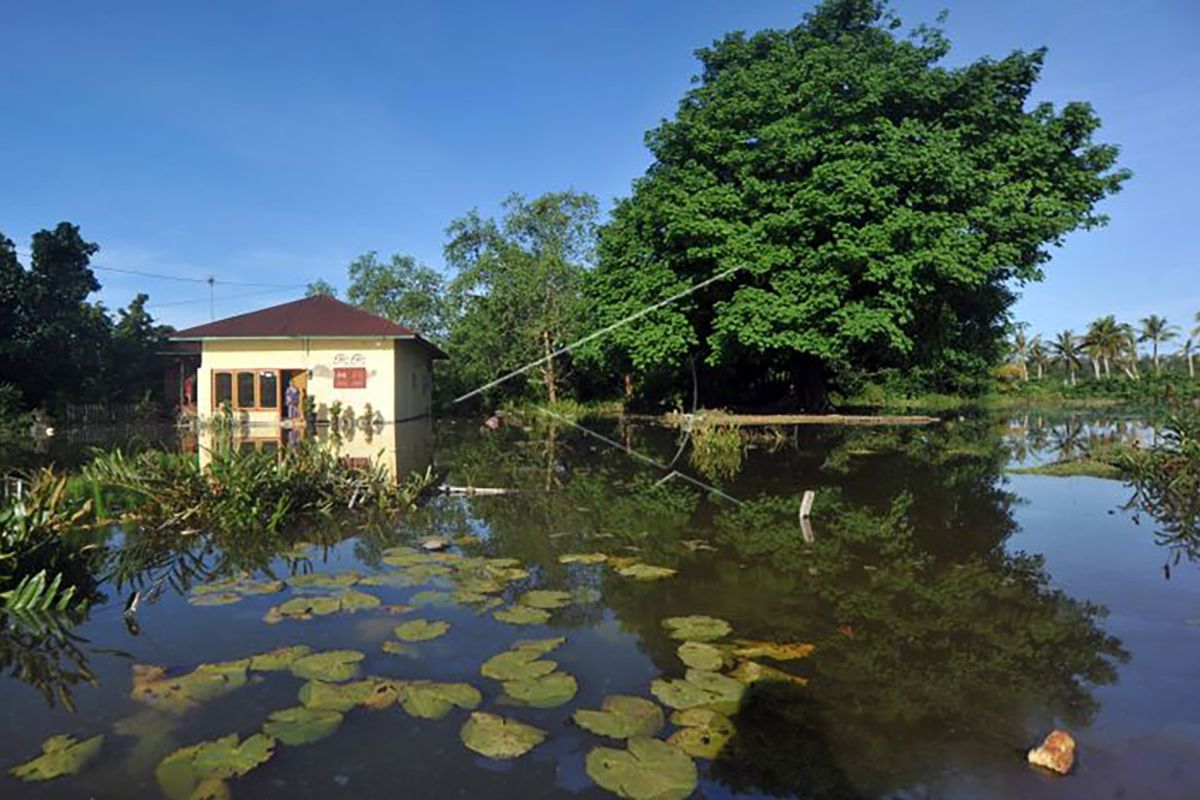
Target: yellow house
330,352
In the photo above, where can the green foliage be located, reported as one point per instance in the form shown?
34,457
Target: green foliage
55,346
880,207
716,450
319,288
401,290
1166,479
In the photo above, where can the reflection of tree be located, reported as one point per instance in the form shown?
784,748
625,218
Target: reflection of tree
40,649
936,659
1166,483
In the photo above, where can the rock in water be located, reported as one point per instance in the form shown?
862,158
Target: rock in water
434,544
1057,753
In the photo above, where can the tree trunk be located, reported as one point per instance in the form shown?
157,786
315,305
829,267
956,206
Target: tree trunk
628,388
1154,350
1072,376
1096,367
1191,366
1041,371
1107,367
551,389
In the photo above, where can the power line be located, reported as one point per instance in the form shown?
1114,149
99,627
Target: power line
209,281
220,299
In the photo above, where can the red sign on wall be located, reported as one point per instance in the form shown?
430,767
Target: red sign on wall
349,377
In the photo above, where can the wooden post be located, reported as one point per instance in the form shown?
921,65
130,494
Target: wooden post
806,503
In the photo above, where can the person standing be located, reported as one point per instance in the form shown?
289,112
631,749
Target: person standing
291,400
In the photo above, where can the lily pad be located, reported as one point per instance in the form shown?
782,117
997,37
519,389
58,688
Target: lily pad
703,732
421,630
393,580
216,599
680,693
355,601
178,694
522,615
182,772
696,628
333,665
621,717
727,690
648,769
394,648
303,608
496,737
432,599
748,648
302,724
325,580
583,558
545,598
514,665
750,672
700,655
540,646
430,700
646,572
546,691
281,658
61,755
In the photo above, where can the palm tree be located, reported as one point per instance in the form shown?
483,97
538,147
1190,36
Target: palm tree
1105,341
1020,351
1128,351
1068,351
1039,356
1189,352
1156,330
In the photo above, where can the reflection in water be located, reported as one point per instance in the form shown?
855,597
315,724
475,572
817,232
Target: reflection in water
40,649
938,649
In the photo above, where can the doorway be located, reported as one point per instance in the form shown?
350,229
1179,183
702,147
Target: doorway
299,379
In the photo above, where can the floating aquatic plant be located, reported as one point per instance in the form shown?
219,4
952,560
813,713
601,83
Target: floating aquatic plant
281,658
232,590
703,732
325,580
648,769
545,599
302,724
432,599
582,558
622,716
178,694
750,672
431,700
394,648
61,755
701,655
332,665
696,628
748,648
307,607
545,691
522,615
201,769
645,572
517,664
369,693
497,737
421,630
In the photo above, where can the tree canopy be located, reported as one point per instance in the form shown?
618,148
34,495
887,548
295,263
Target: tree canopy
881,208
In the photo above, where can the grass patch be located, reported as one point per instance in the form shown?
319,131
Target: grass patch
1074,468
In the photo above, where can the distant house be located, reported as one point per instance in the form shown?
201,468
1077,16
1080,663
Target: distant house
327,350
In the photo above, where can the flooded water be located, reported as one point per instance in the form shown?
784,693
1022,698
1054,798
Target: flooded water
958,613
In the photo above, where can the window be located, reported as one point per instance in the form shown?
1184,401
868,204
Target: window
222,389
268,389
245,390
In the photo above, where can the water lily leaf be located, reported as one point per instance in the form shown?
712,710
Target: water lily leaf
183,772
61,755
619,562
497,737
502,563
393,580
522,615
748,648
394,648
749,672
700,655
303,608
430,700
330,696
325,580
354,601
696,545
244,587
728,691
178,694
432,599
281,658
621,717
302,724
696,628
211,789
480,585
424,573
583,558
401,552
546,691
645,572
421,630
703,732
648,770
540,646
545,598
517,665
215,599
332,665
680,693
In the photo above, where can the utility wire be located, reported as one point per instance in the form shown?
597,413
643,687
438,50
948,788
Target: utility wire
209,281
219,299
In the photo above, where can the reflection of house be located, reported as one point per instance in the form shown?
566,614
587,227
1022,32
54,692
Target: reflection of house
332,352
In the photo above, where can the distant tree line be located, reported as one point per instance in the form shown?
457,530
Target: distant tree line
876,211
1107,345
56,346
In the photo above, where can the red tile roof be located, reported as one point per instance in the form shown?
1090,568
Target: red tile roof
311,317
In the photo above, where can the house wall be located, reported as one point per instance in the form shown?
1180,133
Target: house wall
388,364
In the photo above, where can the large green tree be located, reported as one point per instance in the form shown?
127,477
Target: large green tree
518,288
881,208
401,289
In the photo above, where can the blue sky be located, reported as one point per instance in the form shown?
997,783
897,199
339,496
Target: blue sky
271,142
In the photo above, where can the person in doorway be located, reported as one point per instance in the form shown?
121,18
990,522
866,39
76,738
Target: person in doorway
291,400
